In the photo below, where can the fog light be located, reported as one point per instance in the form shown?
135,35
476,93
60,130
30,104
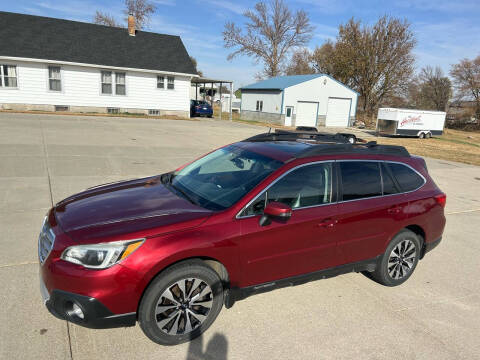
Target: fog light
75,311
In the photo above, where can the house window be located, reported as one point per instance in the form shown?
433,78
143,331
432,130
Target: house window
106,82
54,78
160,82
171,82
8,76
154,112
259,105
120,83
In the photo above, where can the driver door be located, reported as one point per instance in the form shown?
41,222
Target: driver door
304,243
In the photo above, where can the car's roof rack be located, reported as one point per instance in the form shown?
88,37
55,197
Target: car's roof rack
286,135
370,148
324,144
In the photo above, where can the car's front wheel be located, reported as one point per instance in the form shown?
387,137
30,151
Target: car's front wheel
399,260
181,303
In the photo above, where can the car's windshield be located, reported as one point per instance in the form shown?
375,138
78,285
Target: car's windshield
221,178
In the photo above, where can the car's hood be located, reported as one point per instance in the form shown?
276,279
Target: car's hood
124,208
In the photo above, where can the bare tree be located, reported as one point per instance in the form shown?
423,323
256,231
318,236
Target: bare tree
271,31
194,62
327,60
104,19
300,63
376,60
466,77
435,89
142,11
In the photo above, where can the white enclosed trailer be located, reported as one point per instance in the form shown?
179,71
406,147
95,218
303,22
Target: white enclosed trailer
409,122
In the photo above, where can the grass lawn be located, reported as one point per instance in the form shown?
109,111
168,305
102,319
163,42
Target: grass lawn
454,145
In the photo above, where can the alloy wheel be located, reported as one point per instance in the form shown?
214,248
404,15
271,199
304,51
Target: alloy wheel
183,306
402,259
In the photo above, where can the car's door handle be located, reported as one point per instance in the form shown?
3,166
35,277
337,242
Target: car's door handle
329,222
394,210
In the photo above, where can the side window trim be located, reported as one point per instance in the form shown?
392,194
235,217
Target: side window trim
333,187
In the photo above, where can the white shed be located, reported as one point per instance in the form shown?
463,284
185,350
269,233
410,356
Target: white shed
300,100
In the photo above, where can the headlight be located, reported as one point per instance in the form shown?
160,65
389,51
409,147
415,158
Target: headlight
101,256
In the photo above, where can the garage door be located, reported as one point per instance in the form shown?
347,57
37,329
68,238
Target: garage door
338,112
306,114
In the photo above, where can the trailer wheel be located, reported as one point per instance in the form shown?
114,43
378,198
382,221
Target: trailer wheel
428,135
421,135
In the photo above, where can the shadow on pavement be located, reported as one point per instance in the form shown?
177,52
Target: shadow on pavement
216,348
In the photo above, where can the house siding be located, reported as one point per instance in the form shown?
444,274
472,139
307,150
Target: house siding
81,88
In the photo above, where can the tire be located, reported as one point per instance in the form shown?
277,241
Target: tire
421,136
170,325
428,135
393,275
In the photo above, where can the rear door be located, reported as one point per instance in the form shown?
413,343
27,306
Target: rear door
303,244
370,209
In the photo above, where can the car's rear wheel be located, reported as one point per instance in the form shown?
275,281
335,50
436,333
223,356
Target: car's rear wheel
181,303
399,260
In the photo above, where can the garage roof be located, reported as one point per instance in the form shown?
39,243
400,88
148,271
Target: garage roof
282,82
38,37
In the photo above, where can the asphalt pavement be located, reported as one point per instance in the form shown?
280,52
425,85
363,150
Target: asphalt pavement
44,158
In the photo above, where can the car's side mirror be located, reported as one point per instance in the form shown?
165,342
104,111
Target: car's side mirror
275,210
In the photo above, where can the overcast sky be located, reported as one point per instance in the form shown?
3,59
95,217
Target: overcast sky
446,30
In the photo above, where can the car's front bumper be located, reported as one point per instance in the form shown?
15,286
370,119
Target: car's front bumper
95,315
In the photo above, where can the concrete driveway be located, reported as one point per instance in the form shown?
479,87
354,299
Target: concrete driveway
44,158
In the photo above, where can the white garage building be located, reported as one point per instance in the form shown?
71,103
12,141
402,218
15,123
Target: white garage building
300,100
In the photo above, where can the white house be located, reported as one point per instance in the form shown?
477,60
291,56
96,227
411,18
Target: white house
60,65
300,100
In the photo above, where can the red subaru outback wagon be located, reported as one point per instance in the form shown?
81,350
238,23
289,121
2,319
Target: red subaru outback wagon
274,210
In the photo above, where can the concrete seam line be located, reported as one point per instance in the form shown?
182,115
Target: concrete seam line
19,264
462,211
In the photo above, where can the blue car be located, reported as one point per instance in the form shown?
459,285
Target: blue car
200,108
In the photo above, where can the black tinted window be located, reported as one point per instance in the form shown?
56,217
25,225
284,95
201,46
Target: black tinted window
307,186
360,179
407,178
389,186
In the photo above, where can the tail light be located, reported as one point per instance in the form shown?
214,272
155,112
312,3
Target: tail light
441,199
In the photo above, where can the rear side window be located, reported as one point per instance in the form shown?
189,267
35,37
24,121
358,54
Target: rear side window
408,179
360,179
389,186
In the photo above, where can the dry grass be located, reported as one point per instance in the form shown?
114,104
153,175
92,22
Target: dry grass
453,145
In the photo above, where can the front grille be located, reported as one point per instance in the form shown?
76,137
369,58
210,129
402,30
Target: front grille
45,242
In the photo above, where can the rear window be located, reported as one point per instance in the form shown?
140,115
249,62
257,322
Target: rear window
360,179
408,179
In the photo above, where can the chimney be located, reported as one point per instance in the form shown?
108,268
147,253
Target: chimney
131,25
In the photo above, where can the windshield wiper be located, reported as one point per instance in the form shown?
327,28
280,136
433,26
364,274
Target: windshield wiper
168,178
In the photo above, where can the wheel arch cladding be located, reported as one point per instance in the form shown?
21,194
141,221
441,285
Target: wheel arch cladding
418,230
212,263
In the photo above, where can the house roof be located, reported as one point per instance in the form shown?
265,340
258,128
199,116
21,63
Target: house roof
37,37
281,82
